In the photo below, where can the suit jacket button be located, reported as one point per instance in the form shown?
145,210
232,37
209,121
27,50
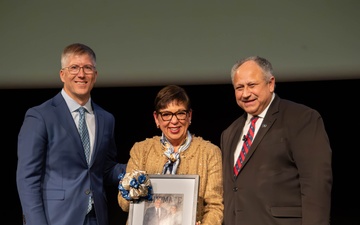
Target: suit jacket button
235,189
88,191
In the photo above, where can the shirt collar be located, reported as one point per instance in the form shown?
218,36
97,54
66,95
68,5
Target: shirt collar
73,105
263,113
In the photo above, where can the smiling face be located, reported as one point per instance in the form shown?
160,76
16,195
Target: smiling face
176,128
78,86
252,91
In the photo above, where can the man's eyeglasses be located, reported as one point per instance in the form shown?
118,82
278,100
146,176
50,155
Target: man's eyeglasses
167,116
75,69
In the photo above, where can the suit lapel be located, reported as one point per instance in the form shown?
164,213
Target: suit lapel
265,126
235,136
66,121
99,130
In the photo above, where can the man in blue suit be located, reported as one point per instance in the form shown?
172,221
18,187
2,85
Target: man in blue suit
56,183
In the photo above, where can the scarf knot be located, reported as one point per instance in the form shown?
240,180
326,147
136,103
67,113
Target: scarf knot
173,162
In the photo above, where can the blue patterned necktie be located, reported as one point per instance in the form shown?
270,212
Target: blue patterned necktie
246,146
84,134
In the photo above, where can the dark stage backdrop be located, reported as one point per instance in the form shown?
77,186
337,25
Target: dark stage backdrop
214,108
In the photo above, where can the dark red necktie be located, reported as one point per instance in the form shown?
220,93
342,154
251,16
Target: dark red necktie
246,146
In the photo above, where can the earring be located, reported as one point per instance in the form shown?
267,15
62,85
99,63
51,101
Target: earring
158,126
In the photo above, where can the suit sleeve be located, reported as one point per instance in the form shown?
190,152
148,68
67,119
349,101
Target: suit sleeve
32,141
312,155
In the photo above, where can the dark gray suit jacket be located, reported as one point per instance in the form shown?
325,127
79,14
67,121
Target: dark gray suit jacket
150,217
286,177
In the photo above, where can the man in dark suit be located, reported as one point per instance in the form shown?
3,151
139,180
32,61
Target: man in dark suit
285,175
155,213
57,183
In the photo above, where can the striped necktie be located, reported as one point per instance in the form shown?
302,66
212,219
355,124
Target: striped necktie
246,146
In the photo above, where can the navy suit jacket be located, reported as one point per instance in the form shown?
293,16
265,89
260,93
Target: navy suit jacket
286,177
53,178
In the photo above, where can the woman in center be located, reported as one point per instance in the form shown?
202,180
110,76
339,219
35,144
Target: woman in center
177,151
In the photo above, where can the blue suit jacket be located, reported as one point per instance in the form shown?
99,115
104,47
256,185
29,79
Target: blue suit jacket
53,178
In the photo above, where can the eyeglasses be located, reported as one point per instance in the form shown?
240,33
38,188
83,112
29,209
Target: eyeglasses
167,116
75,69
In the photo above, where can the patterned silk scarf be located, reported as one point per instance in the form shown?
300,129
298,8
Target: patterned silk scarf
173,162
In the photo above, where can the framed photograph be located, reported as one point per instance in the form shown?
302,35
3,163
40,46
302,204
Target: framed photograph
174,201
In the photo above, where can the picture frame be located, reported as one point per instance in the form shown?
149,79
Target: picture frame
174,190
